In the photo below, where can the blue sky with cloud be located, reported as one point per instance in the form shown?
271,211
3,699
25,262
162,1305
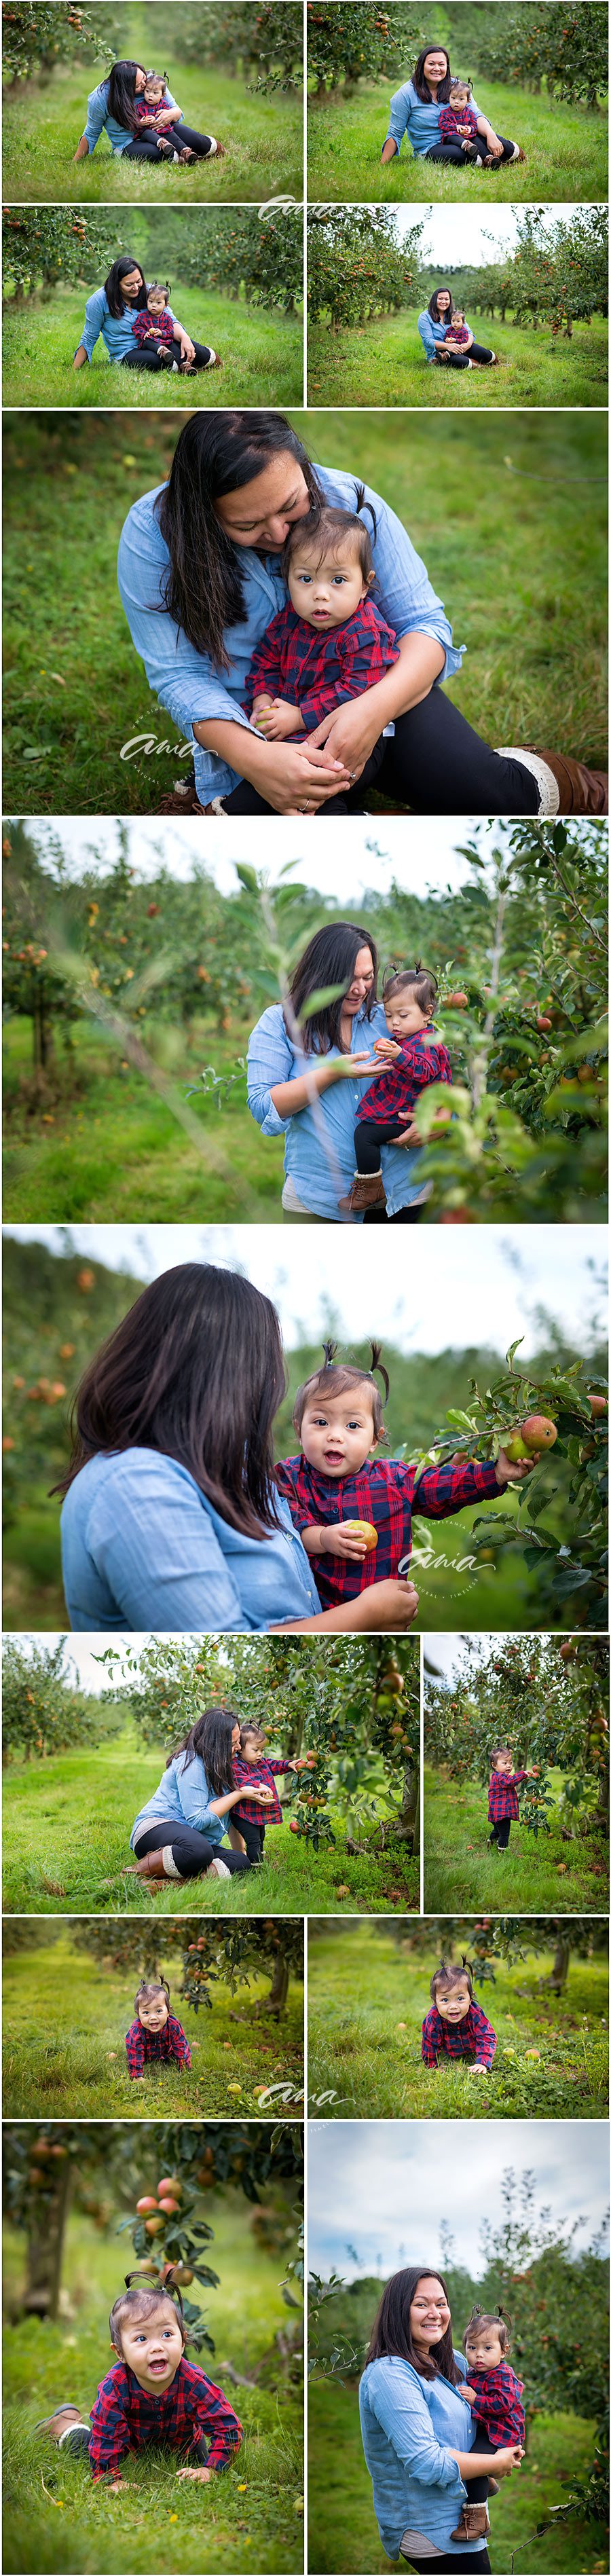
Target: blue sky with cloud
379,2191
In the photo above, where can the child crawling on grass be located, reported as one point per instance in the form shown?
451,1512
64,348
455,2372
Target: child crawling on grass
151,2395
331,642
411,1057
254,1767
495,2398
505,1784
155,2038
456,2025
354,1511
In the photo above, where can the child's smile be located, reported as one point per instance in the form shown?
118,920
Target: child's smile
152,2347
338,1436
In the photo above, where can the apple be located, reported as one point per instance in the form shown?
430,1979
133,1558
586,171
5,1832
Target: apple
515,1448
538,1432
363,1529
143,2206
170,2182
597,1404
154,2226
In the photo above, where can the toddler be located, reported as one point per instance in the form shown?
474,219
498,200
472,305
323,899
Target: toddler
157,329
456,2025
495,2397
409,1061
503,1795
353,1511
252,1761
155,2038
331,642
151,100
458,122
457,332
152,2394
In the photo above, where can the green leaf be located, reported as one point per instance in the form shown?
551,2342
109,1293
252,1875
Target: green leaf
248,877
514,1346
320,1001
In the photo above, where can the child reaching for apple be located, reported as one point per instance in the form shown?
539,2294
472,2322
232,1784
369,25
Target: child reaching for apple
456,2025
259,1770
151,2395
155,2038
411,1057
505,1784
495,2397
354,1511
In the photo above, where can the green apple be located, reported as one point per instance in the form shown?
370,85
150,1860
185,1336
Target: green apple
515,1449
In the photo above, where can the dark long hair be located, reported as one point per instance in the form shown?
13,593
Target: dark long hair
217,452
210,1741
122,93
390,2333
421,85
433,308
196,1371
330,958
112,286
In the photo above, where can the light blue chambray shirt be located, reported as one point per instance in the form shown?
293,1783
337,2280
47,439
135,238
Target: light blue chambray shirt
183,1798
430,332
272,1058
143,1548
418,118
98,120
407,2426
115,330
187,683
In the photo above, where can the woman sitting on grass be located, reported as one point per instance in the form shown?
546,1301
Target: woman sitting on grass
110,314
111,110
179,1832
441,346
416,110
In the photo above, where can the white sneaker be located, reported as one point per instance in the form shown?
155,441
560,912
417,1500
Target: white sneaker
218,1869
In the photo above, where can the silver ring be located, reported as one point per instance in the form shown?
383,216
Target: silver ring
352,776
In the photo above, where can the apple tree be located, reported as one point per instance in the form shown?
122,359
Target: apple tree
210,1952
39,34
357,268
42,1712
355,42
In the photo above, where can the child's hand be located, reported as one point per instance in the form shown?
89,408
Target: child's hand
111,2486
204,2475
476,2066
340,1540
512,1471
463,2390
387,1048
277,719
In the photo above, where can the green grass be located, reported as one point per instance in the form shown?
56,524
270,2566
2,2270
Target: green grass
366,2004
250,2516
384,363
43,123
64,2024
532,619
566,153
262,357
102,1144
343,2530
67,1823
534,1876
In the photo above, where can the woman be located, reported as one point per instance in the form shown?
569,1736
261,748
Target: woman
433,325
179,1831
307,1075
171,1519
110,110
108,314
200,579
417,2432
415,111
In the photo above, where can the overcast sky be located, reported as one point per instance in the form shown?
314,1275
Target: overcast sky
474,234
478,1286
421,855
378,2190
80,1657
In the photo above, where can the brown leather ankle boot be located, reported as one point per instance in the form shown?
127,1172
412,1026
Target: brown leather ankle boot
473,2523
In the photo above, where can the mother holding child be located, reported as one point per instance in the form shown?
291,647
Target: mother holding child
442,120
438,2431
137,112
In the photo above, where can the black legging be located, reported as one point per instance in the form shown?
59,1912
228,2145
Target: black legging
143,147
454,152
77,2443
140,356
434,764
190,1850
460,357
476,2560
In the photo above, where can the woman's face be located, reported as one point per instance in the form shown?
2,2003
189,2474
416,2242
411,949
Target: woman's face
361,982
429,2313
262,512
130,285
435,67
443,301
235,1739
140,81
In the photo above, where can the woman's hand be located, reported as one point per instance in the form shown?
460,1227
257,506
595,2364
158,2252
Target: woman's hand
264,1797
410,1133
299,782
511,1471
505,2461
82,150
350,732
494,145
187,346
392,1603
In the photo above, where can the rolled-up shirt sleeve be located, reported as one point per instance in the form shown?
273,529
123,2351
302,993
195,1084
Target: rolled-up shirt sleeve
404,2417
271,1059
95,309
398,119
405,595
183,679
96,115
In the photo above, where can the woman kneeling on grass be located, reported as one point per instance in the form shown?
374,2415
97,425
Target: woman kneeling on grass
110,314
180,1830
418,2432
441,347
200,578
416,110
171,1519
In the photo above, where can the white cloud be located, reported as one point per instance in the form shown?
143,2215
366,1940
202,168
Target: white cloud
423,859
384,2189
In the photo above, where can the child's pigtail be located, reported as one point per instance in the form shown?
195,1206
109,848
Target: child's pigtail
376,1363
361,504
329,1350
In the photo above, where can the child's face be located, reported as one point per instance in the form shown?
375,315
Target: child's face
326,589
459,96
337,1432
453,2001
404,1017
156,306
504,1762
484,2351
152,2346
154,93
457,317
252,1752
154,2013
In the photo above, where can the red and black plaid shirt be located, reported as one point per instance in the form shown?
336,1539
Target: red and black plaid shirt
156,2047
384,1492
423,1059
161,323
450,120
126,2416
503,1794
263,1773
496,2404
318,672
472,2037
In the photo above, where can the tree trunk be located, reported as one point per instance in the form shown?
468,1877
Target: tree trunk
45,2249
276,2000
558,1973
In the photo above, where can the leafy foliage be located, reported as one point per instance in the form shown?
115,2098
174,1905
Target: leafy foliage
564,47
210,1952
45,246
39,34
548,1700
356,266
42,1712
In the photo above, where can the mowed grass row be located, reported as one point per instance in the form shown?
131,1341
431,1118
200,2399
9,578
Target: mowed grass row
67,1823
565,147
343,2530
262,356
102,1144
43,122
367,2000
158,2522
64,2022
535,1875
383,362
537,540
